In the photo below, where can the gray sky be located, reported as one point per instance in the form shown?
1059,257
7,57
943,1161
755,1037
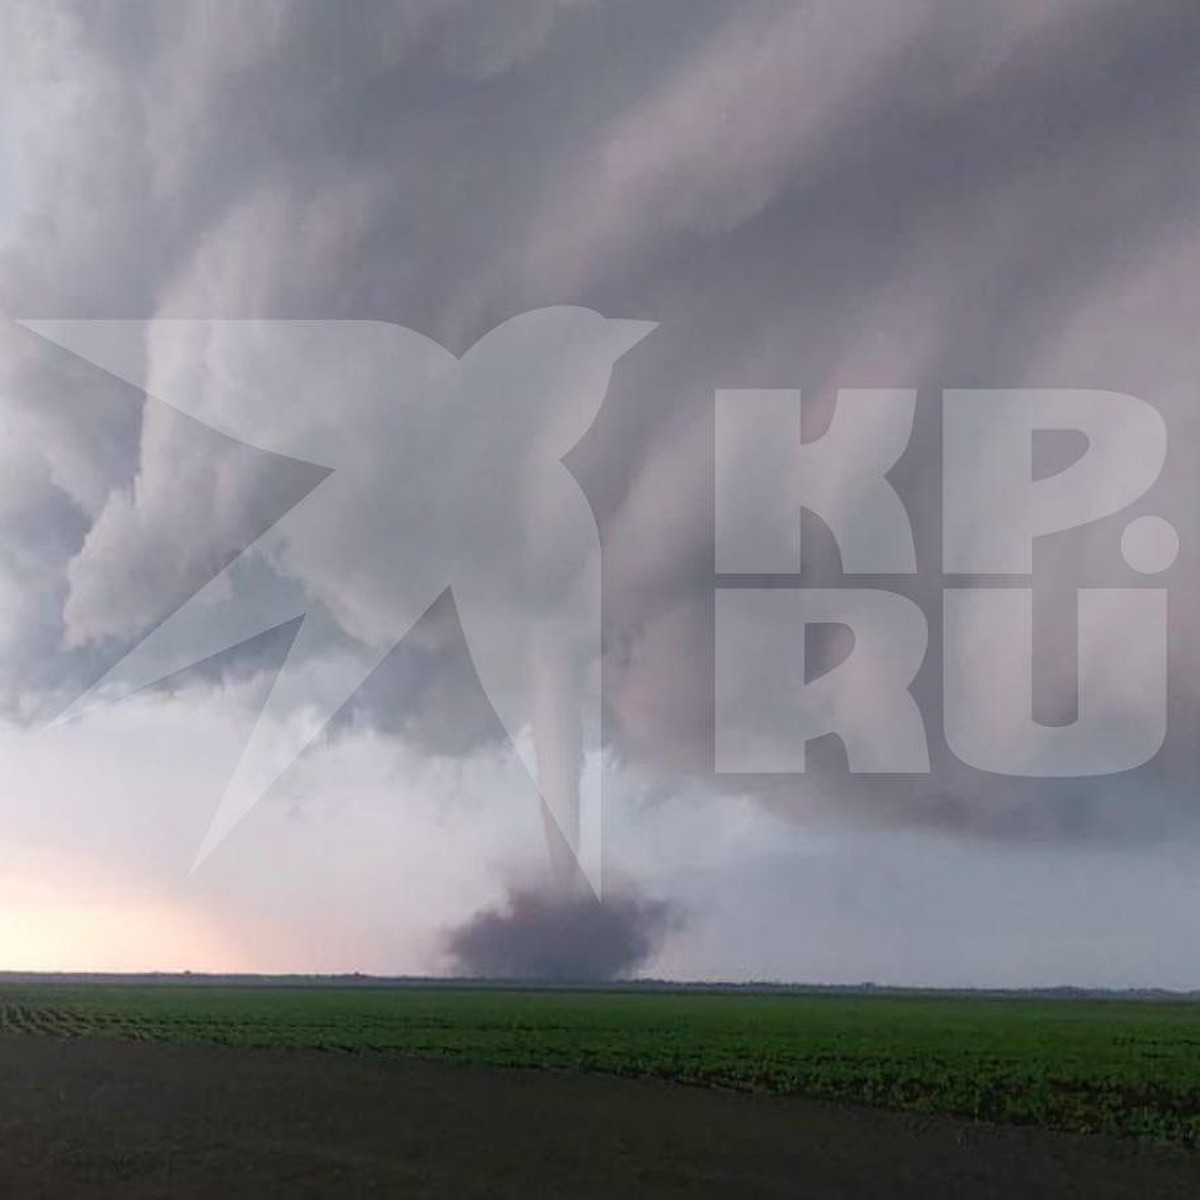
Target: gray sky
910,193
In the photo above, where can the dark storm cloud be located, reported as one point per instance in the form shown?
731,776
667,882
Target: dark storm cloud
909,194
546,935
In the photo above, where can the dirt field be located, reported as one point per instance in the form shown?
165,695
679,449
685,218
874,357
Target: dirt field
90,1118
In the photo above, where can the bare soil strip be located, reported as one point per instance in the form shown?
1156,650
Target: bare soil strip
87,1118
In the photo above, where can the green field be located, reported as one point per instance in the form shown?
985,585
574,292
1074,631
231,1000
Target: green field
1129,1068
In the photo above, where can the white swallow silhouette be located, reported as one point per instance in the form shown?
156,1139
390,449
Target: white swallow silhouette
443,473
